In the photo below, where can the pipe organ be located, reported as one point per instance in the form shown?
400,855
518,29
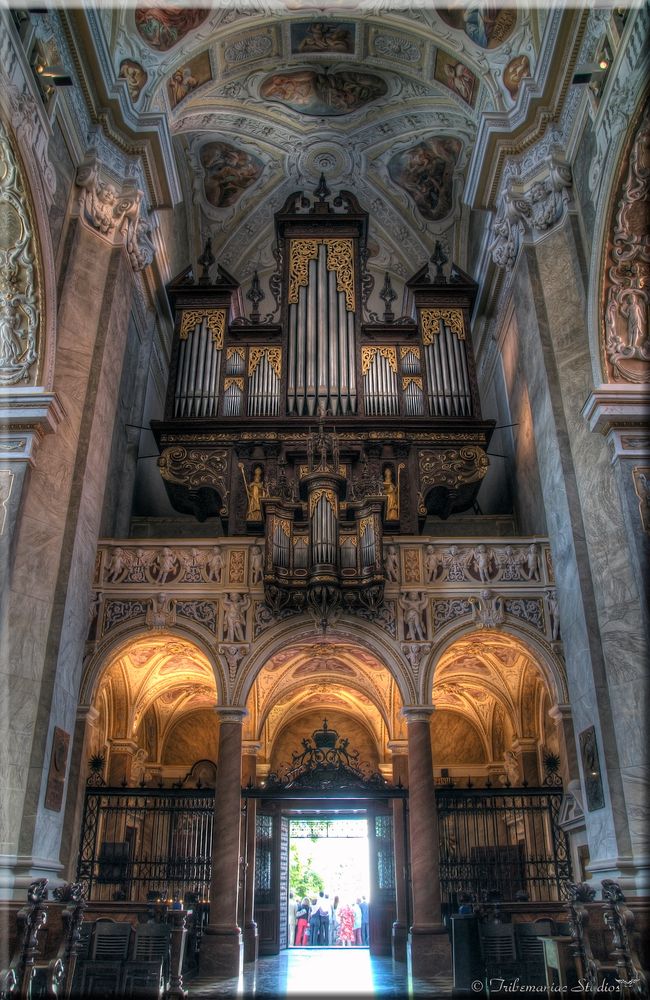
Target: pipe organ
344,422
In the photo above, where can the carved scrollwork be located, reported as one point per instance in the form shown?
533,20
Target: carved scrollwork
19,274
215,320
192,467
430,320
453,467
300,253
627,342
339,259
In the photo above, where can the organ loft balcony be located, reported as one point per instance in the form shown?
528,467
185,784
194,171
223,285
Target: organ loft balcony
249,395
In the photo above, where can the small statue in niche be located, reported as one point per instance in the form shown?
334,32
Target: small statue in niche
116,565
391,564
255,490
257,565
554,615
235,607
413,604
482,562
214,565
532,562
391,492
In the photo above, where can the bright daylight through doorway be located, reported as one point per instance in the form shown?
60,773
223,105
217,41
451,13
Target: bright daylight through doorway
329,855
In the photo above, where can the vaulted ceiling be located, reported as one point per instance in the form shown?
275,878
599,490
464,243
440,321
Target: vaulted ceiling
385,103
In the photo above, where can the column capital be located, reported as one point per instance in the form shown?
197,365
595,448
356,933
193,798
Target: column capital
525,743
26,415
398,747
620,412
417,713
231,713
123,746
250,748
560,712
87,713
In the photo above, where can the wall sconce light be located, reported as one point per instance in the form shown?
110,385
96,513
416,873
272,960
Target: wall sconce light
55,74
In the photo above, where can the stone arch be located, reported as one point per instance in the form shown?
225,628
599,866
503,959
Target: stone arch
614,166
551,666
117,644
305,728
37,183
294,630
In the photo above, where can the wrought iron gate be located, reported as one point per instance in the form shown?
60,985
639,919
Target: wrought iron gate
137,843
501,841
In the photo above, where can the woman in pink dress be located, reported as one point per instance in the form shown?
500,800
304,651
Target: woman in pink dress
346,926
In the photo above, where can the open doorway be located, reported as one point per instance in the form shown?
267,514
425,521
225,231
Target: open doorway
329,882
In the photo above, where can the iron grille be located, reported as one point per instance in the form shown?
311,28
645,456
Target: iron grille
138,844
501,843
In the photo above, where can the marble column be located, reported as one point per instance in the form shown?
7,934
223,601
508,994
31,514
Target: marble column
250,751
428,952
525,749
222,948
398,749
561,715
82,746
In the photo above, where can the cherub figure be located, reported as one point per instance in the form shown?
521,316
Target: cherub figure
391,564
214,564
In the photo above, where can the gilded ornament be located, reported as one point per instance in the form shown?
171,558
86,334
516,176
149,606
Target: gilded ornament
231,351
430,323
406,349
300,254
273,356
368,355
232,380
215,320
452,467
314,497
407,379
339,259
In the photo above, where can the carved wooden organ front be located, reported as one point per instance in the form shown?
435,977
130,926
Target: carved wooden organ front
322,425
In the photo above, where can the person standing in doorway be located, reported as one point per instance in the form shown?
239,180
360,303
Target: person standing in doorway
314,922
291,915
334,922
302,922
346,926
364,920
356,910
324,911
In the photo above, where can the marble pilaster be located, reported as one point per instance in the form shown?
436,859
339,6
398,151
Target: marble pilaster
428,944
398,749
222,948
250,751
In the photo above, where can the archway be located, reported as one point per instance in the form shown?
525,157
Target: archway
332,690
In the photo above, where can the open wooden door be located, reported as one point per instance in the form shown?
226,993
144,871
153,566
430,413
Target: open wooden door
271,881
382,879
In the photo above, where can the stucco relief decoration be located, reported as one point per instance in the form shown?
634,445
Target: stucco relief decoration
323,37
425,171
641,480
533,207
136,78
115,213
20,295
227,173
627,344
452,467
163,27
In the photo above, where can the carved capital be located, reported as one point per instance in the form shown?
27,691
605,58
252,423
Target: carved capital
116,211
417,713
532,206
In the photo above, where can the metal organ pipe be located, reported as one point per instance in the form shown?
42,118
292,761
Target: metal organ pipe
343,349
335,388
322,327
351,357
311,338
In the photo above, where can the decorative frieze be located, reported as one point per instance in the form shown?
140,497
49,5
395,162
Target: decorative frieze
533,207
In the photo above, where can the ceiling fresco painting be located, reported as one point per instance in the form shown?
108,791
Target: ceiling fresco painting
228,172
188,78
384,104
515,72
486,25
136,78
322,38
455,75
163,27
425,171
314,93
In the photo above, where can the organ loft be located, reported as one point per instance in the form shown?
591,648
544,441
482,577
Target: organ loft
313,427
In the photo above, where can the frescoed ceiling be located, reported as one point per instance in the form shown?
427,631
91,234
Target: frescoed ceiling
385,103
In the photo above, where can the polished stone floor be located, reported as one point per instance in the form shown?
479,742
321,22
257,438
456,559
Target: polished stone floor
322,972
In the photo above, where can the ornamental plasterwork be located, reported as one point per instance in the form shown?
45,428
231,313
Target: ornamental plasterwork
533,208
20,274
626,295
115,213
